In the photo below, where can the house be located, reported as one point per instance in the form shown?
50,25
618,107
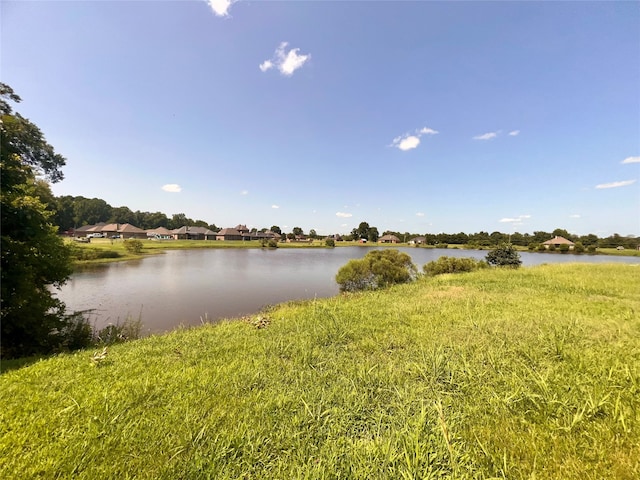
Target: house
160,233
193,233
229,234
557,241
389,239
84,230
418,241
125,230
268,235
244,232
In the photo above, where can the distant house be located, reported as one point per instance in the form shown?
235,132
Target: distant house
193,233
557,241
268,235
229,234
417,241
125,230
85,230
389,239
160,233
244,231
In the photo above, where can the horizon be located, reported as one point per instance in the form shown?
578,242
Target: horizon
427,117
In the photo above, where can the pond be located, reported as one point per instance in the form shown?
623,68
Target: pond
187,287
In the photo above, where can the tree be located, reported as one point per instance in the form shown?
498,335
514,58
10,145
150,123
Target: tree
363,230
298,231
313,233
33,257
373,234
378,269
276,229
504,255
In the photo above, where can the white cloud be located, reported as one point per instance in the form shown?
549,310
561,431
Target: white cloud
575,216
343,215
419,214
631,160
286,61
516,221
275,206
410,141
172,188
266,65
514,133
623,183
244,192
220,7
486,136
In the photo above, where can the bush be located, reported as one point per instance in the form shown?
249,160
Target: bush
378,269
78,253
133,246
330,242
564,248
578,248
453,265
504,256
591,249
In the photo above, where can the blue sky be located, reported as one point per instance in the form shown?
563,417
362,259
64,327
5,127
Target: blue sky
423,117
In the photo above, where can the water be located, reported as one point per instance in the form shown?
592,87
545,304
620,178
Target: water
190,286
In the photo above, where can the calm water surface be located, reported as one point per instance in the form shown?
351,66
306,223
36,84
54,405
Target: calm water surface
189,286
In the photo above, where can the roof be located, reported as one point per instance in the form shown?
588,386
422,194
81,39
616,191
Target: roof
128,228
160,231
228,231
558,241
388,237
94,228
192,230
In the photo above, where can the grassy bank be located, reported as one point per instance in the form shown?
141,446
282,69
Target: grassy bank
533,373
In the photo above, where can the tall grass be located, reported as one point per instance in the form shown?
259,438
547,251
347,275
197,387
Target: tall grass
533,373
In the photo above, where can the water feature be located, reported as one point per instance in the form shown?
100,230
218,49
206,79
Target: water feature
191,286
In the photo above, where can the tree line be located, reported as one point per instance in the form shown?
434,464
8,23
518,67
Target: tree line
485,239
71,212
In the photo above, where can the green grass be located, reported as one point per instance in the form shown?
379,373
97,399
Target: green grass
532,373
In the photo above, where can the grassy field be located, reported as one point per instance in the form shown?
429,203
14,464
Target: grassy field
533,373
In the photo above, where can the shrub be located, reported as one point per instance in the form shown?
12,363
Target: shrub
453,265
330,242
378,269
504,255
578,248
133,246
78,253
591,249
534,246
564,248
542,248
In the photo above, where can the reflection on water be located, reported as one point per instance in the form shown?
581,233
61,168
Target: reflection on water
190,286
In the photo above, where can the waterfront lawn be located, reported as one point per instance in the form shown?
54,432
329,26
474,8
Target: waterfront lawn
529,373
